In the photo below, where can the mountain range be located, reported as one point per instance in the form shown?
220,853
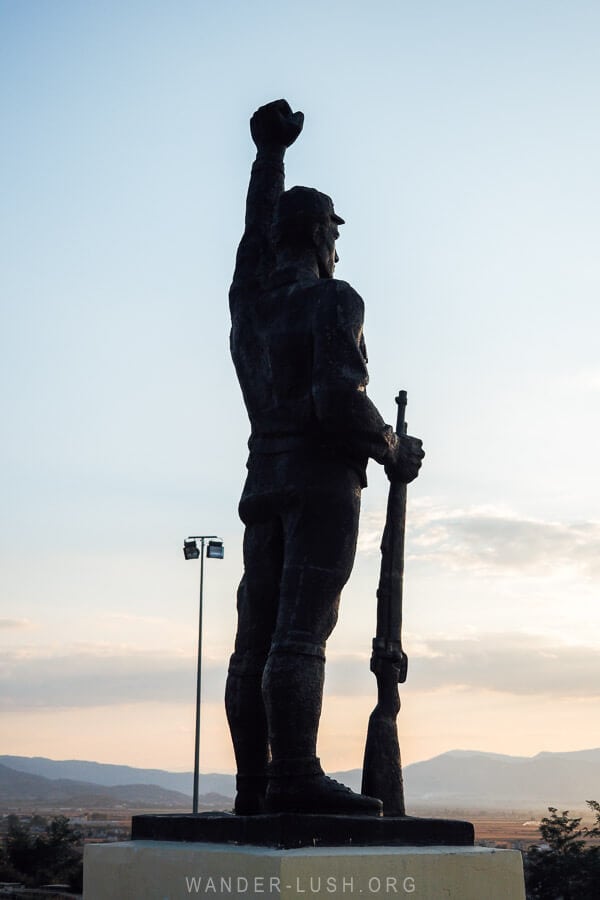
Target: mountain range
24,789
458,779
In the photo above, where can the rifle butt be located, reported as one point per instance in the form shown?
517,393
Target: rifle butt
382,769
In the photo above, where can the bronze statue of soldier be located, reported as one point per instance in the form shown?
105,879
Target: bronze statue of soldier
298,348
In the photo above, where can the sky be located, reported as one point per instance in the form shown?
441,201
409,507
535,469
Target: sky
460,142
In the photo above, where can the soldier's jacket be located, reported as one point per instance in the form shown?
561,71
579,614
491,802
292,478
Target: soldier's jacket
298,348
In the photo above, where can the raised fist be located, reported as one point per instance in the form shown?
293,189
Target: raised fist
275,125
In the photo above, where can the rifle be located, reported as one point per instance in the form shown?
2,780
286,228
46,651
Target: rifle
382,769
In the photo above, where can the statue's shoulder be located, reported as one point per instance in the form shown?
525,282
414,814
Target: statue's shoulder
339,297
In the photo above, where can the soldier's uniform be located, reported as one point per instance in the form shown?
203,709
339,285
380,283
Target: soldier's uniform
299,352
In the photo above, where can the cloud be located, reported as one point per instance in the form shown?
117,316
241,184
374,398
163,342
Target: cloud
509,663
95,675
14,623
98,675
371,531
489,540
583,380
135,619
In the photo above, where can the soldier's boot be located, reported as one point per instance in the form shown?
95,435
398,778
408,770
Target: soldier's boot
250,795
301,786
293,691
248,726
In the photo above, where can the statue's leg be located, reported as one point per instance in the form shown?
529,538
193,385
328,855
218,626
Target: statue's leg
257,602
320,527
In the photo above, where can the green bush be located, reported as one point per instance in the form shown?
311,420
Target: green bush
52,856
569,867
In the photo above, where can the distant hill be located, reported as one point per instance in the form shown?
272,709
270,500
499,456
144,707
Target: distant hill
112,775
459,779
21,788
466,778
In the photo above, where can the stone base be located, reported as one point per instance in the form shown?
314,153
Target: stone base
287,831
161,870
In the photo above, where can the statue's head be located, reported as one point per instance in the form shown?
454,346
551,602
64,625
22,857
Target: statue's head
305,220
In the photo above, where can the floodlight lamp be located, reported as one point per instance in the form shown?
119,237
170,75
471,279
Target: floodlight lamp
215,550
190,549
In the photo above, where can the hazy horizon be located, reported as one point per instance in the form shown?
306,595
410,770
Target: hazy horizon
189,769
458,780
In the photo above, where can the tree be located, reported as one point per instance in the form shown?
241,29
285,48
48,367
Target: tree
58,854
19,845
568,868
54,855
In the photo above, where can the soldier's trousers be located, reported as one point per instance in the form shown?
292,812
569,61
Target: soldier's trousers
301,516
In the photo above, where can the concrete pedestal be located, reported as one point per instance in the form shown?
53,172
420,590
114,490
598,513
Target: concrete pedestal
161,870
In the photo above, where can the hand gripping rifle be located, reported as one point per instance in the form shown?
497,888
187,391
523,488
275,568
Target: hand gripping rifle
382,770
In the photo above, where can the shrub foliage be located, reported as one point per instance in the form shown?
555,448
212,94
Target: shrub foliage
51,854
567,865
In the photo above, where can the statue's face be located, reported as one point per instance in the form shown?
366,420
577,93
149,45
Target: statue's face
328,257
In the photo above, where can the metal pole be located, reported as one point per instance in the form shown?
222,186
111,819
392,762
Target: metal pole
198,686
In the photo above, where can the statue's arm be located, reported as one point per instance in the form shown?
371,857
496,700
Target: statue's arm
274,127
340,378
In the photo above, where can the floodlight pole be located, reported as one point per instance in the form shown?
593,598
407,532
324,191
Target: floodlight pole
201,538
